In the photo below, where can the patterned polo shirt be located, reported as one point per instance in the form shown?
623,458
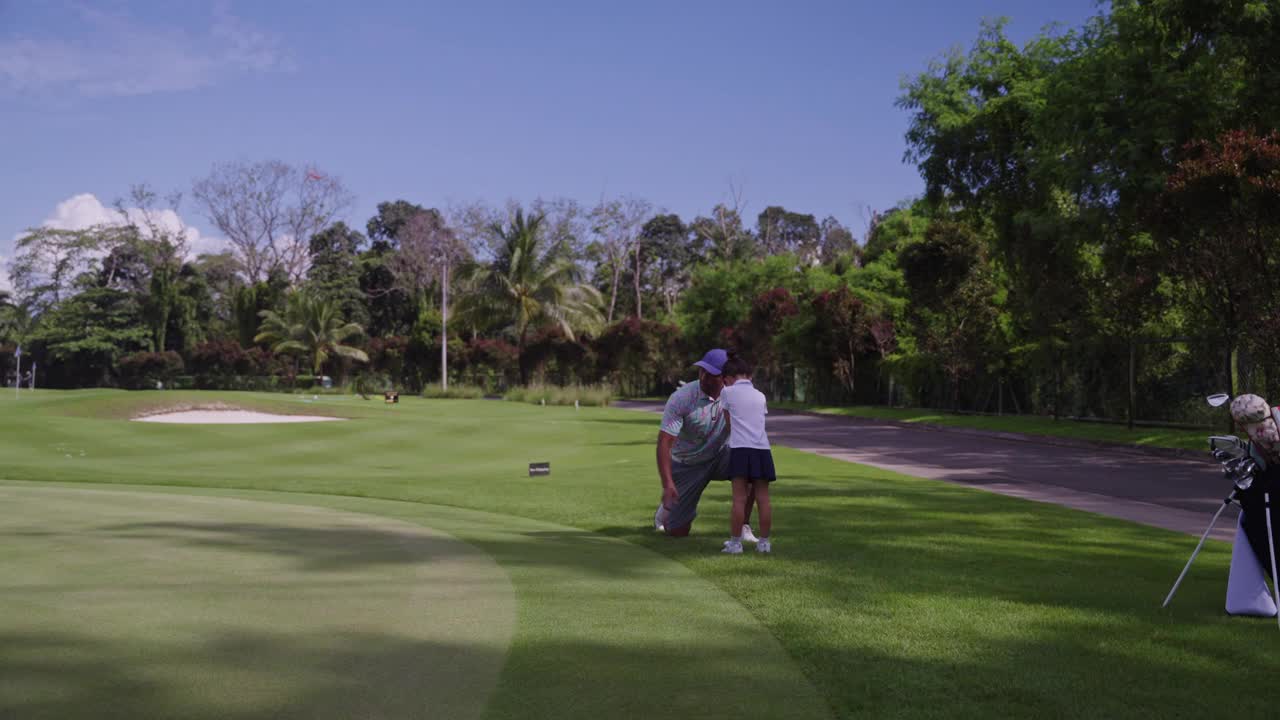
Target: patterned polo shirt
698,424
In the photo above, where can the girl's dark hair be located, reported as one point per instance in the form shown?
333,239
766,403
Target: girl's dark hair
737,365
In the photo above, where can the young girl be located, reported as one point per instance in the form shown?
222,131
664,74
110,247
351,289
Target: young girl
750,460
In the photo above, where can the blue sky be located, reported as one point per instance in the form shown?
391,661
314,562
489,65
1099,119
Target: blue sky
482,100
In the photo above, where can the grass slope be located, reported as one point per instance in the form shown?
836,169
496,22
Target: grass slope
898,597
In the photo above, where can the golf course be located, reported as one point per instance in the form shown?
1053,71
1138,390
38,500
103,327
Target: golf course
402,563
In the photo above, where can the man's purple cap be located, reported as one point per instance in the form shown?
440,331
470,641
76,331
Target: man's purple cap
713,362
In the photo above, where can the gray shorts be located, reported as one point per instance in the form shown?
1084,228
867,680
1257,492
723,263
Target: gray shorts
690,481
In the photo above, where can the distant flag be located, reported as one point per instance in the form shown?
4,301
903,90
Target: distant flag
313,175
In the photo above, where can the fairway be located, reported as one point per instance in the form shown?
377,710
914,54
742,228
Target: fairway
887,596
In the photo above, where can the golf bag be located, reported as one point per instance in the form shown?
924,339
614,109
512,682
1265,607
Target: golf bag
1247,592
1253,468
1251,554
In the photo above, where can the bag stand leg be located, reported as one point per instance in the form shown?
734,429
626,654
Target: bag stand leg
1200,545
1271,541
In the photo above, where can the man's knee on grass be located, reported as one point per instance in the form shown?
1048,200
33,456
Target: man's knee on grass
682,531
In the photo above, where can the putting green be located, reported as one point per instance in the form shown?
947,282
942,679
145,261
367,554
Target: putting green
132,605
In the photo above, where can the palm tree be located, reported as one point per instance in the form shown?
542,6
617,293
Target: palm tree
16,320
527,286
311,327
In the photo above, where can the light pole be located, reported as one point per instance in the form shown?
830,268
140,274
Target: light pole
444,326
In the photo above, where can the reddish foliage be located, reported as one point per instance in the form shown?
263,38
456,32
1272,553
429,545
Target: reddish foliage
1239,155
220,357
497,355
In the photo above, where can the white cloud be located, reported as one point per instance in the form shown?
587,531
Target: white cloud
116,55
83,211
5,283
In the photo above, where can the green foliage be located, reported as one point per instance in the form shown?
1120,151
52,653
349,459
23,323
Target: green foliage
310,327
720,295
639,355
335,272
527,286
86,334
144,370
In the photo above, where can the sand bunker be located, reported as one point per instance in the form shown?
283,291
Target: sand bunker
228,417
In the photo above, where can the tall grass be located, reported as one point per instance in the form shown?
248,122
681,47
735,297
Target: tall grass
457,392
538,394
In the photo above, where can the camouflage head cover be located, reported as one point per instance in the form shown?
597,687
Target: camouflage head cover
1253,415
1249,409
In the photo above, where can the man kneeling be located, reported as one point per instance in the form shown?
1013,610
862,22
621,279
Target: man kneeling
693,448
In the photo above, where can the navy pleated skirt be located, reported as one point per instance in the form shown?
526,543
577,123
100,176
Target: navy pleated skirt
752,464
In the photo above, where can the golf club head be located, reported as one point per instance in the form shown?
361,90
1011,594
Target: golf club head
1218,399
1227,446
1240,472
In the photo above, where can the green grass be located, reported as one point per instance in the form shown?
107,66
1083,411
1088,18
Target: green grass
895,596
453,392
1073,429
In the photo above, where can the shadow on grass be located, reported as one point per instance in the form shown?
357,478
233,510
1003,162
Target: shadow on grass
247,676
936,540
240,676
313,548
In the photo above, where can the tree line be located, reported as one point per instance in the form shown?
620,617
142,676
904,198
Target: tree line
1097,238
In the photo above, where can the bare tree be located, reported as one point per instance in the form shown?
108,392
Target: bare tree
616,224
566,224
160,226
269,210
428,246
724,230
471,223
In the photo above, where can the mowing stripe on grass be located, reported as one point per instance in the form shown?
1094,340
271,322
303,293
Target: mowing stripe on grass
605,628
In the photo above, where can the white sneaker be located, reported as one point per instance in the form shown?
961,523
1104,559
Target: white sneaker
732,547
660,517
763,546
747,535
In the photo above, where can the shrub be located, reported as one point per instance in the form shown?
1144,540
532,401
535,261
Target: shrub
585,395
460,392
551,356
144,369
